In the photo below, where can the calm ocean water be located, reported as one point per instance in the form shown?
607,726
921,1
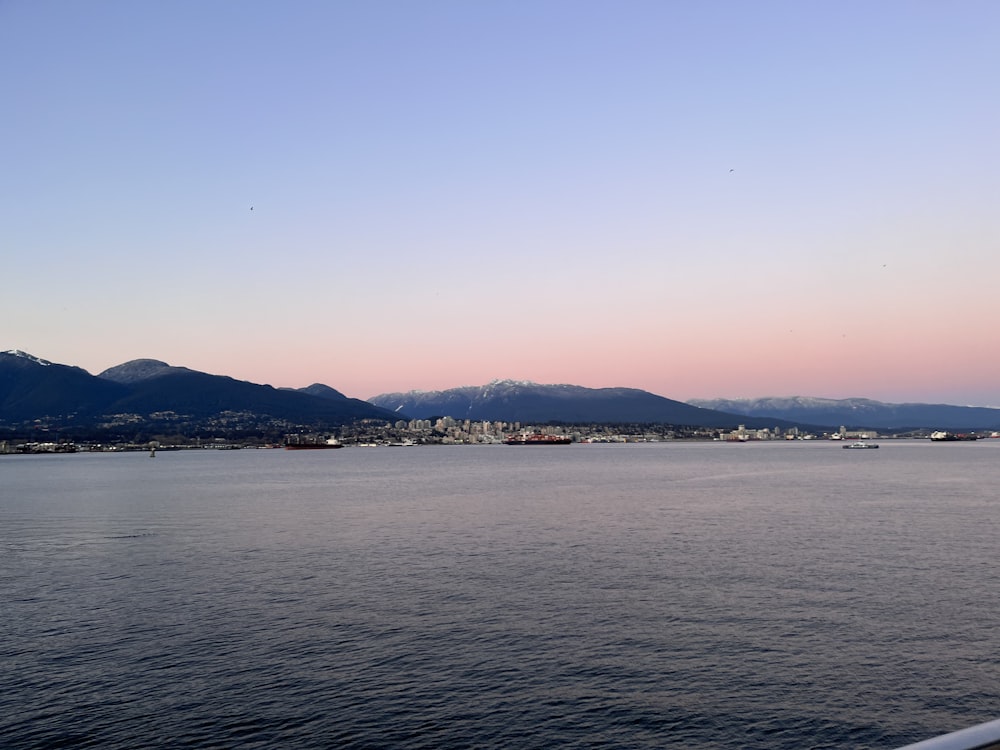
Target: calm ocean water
780,595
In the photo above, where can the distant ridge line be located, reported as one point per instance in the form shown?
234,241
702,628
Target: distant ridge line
33,387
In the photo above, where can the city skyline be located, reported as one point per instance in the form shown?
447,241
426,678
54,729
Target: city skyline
698,200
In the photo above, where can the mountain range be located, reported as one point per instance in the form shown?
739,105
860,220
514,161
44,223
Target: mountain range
148,390
860,413
526,402
33,388
511,400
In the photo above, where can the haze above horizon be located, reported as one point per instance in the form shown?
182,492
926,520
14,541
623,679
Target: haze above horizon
701,200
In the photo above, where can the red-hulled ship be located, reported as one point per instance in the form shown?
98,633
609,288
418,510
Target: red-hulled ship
538,439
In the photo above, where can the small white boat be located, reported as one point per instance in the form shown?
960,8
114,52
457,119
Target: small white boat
860,444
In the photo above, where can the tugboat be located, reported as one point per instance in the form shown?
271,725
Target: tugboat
538,439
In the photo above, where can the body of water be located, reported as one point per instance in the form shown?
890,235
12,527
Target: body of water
773,595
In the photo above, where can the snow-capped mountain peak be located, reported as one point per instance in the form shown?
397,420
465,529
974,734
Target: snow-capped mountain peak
30,357
138,370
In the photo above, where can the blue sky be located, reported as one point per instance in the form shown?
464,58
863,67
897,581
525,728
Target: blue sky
696,198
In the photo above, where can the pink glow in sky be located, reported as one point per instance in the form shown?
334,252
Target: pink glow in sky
697,199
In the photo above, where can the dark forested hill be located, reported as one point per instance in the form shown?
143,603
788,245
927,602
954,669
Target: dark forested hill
33,388
519,401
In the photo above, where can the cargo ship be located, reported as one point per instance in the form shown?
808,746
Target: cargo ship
950,437
538,439
297,443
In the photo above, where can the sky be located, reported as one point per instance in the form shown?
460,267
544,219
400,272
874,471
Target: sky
697,198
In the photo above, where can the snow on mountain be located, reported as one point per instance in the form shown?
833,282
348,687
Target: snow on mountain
525,401
30,357
775,403
138,370
857,412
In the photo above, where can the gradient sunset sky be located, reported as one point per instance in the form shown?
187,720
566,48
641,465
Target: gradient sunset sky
699,199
